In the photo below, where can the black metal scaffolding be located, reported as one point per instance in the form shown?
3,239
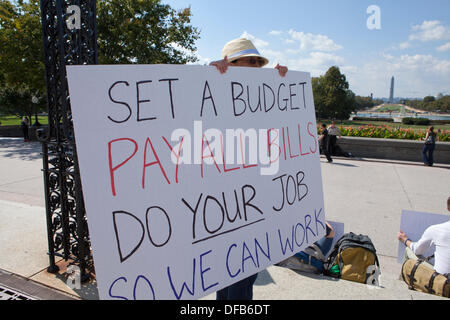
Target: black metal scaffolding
69,38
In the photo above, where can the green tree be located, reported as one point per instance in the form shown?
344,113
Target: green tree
21,58
17,102
428,99
145,32
440,105
129,31
332,97
363,103
319,96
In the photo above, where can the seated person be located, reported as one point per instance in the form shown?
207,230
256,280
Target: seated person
437,235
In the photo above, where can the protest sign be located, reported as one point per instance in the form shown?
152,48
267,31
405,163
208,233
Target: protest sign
194,180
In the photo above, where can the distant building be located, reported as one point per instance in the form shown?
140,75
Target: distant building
391,92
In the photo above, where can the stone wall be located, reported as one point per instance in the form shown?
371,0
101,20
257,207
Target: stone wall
16,132
393,149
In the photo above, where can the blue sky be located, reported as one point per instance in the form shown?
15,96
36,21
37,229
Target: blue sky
413,43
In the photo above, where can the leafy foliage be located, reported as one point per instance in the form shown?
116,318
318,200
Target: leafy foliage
332,97
144,31
129,31
431,104
21,58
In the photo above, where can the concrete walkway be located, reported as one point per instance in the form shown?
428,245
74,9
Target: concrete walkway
364,194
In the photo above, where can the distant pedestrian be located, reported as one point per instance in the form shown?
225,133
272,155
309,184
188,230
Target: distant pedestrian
333,134
24,126
428,148
324,142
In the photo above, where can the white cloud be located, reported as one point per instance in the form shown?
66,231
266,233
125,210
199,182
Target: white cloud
423,63
415,75
259,43
444,47
322,58
387,56
350,69
309,41
288,41
317,63
430,31
275,33
201,60
404,45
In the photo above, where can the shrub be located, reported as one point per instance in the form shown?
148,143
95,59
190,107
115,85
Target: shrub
386,132
373,119
440,121
422,121
416,121
408,120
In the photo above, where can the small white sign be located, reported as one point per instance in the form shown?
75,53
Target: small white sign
414,224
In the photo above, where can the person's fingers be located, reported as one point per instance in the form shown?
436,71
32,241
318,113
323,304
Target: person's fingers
282,70
225,66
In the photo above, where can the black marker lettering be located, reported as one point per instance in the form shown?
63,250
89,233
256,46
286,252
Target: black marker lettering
206,98
139,101
170,94
119,102
265,101
233,84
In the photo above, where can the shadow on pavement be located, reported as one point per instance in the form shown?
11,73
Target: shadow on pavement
264,278
16,148
343,164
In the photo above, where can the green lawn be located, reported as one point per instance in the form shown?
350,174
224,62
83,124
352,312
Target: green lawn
394,108
15,121
390,108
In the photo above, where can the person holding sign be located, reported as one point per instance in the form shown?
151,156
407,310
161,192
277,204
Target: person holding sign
241,53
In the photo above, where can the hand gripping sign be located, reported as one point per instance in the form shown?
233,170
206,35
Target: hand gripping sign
194,180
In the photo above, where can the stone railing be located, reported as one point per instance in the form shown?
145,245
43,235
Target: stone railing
16,132
393,149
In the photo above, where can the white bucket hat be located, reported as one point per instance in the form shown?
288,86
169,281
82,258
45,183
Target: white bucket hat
239,48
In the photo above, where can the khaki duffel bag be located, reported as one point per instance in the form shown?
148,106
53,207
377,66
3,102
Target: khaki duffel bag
420,277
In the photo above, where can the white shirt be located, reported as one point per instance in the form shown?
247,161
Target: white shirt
334,131
439,236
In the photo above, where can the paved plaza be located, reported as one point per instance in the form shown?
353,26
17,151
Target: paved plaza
366,195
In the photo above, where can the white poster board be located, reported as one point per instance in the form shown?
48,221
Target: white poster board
414,224
182,195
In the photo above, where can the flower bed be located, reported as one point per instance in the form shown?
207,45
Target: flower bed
387,132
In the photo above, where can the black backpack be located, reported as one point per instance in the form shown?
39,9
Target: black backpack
352,258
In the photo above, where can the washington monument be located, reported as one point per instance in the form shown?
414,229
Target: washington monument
391,92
